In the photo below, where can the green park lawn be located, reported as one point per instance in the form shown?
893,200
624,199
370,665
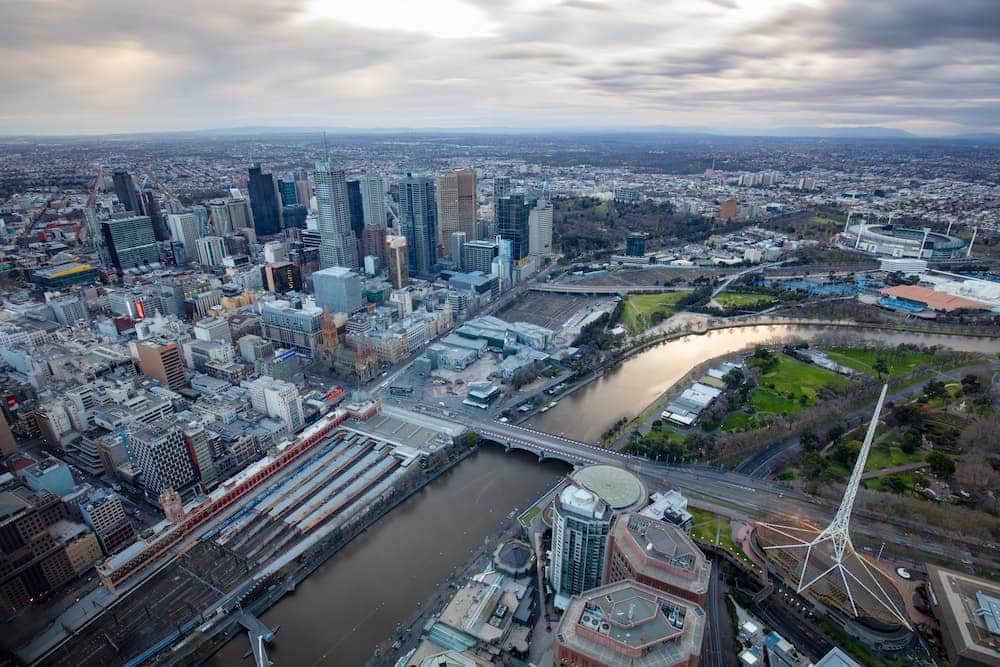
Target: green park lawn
864,360
741,421
741,300
795,378
706,525
637,313
881,456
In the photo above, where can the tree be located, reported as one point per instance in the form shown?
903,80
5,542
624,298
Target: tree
941,464
908,414
935,389
809,441
882,367
912,440
894,483
835,433
733,378
971,384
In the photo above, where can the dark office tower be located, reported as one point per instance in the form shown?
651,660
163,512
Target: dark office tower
512,223
418,218
155,216
295,216
130,242
125,189
288,195
264,202
356,207
501,187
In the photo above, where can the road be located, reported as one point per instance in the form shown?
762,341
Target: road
768,461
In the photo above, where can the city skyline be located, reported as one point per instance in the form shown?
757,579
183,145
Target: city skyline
721,65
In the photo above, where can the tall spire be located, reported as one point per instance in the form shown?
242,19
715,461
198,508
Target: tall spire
831,556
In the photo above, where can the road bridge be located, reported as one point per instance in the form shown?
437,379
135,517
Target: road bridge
547,446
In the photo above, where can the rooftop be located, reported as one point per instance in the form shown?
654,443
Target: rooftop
662,551
617,487
968,608
628,623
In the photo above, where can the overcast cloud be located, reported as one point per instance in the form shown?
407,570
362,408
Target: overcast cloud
927,66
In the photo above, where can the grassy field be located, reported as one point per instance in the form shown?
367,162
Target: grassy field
637,313
707,525
740,300
792,378
741,421
765,400
880,457
864,360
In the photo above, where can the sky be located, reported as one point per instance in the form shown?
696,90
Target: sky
931,67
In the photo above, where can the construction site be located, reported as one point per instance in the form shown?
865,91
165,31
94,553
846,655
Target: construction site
203,584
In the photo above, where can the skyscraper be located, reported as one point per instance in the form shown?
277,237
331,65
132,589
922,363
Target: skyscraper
126,191
264,202
130,242
512,224
540,229
581,522
457,246
338,246
152,209
303,190
289,197
210,250
184,230
501,187
447,208
397,259
418,218
373,242
373,200
467,203
355,207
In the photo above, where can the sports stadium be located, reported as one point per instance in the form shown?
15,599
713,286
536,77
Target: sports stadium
891,241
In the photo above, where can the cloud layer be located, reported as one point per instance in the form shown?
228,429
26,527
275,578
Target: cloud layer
930,67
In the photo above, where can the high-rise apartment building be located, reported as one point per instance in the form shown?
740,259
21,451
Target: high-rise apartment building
210,250
239,214
397,261
130,243
159,454
162,360
479,256
373,200
337,246
337,289
512,214
278,399
540,229
418,218
264,200
218,213
581,521
126,191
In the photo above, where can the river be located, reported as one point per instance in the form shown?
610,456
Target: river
341,611
626,390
